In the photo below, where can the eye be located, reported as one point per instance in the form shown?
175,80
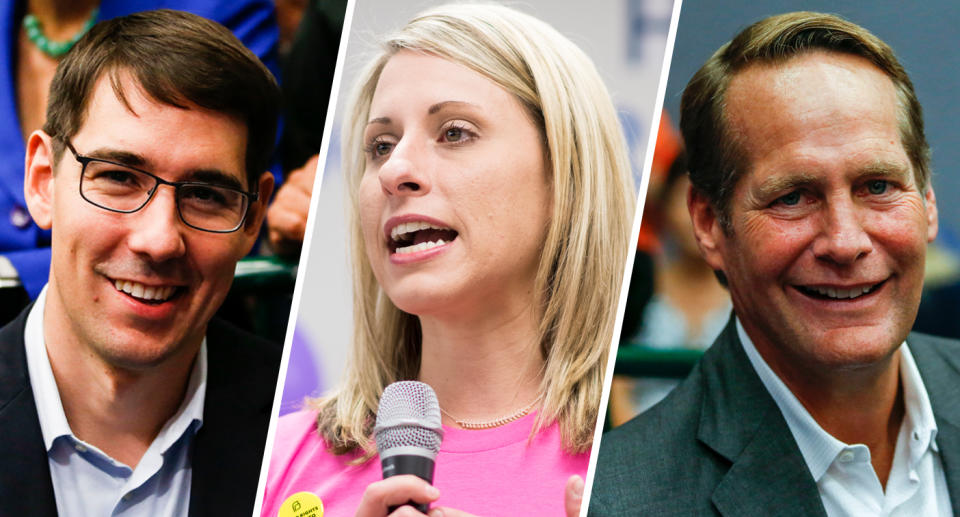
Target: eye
117,176
378,147
103,175
206,195
382,148
790,199
453,134
456,133
877,187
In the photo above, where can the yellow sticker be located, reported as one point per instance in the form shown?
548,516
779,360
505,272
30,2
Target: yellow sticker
301,504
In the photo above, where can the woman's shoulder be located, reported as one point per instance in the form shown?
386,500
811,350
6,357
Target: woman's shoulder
295,441
301,461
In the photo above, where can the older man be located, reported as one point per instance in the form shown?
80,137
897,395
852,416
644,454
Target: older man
811,198
119,396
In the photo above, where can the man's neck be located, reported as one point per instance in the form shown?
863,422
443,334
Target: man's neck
862,405
869,412
118,410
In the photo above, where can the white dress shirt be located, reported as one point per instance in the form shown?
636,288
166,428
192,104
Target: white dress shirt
88,482
845,477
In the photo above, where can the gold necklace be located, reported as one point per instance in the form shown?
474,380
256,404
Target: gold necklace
496,422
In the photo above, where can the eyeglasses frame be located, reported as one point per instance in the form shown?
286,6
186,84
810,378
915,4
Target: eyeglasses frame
252,197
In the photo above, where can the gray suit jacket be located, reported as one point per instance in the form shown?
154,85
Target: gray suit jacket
718,444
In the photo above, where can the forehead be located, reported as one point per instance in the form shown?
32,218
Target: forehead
409,77
168,137
818,102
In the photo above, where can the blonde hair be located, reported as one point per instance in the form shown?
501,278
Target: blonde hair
581,266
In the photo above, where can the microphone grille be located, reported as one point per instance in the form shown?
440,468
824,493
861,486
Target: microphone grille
408,416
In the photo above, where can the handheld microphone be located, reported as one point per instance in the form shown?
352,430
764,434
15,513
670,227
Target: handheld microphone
408,432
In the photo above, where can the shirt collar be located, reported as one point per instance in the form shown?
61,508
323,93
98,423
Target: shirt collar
819,448
53,421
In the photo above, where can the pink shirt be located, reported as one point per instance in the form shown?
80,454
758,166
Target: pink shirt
484,472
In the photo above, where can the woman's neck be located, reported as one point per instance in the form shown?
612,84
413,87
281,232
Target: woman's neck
482,368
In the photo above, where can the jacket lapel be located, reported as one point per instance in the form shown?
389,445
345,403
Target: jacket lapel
228,448
741,422
939,363
25,484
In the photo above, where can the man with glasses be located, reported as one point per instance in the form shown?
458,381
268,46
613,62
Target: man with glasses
118,394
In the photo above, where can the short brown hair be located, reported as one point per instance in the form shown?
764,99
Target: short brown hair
715,159
177,58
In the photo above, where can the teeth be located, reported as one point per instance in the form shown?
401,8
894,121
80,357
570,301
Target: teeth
842,294
401,230
144,292
420,247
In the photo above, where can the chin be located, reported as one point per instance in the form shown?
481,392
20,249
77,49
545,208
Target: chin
857,348
135,360
139,351
421,297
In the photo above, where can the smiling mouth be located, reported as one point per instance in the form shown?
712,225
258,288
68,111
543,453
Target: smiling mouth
418,236
833,293
145,293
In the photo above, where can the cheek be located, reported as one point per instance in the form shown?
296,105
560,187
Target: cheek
370,199
902,234
768,247
210,256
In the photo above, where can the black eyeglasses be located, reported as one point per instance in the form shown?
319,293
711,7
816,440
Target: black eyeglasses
120,188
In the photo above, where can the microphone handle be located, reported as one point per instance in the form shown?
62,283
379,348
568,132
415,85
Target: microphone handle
408,464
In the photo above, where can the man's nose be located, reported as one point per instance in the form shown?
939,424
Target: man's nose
156,229
843,235
403,173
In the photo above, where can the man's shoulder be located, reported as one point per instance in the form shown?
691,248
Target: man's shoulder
672,419
13,362
942,345
938,360
936,357
241,381
655,463
240,347
242,367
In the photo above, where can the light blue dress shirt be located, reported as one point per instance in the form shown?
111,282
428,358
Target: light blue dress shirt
844,474
88,482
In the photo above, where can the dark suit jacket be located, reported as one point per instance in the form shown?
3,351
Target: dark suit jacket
718,445
227,451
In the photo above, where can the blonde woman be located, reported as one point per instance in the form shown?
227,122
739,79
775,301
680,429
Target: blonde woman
492,206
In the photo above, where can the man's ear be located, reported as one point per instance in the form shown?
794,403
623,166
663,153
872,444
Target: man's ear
932,221
706,228
259,209
38,178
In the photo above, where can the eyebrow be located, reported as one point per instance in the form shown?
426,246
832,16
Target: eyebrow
441,105
130,159
879,168
432,110
784,183
214,177
886,169
121,157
